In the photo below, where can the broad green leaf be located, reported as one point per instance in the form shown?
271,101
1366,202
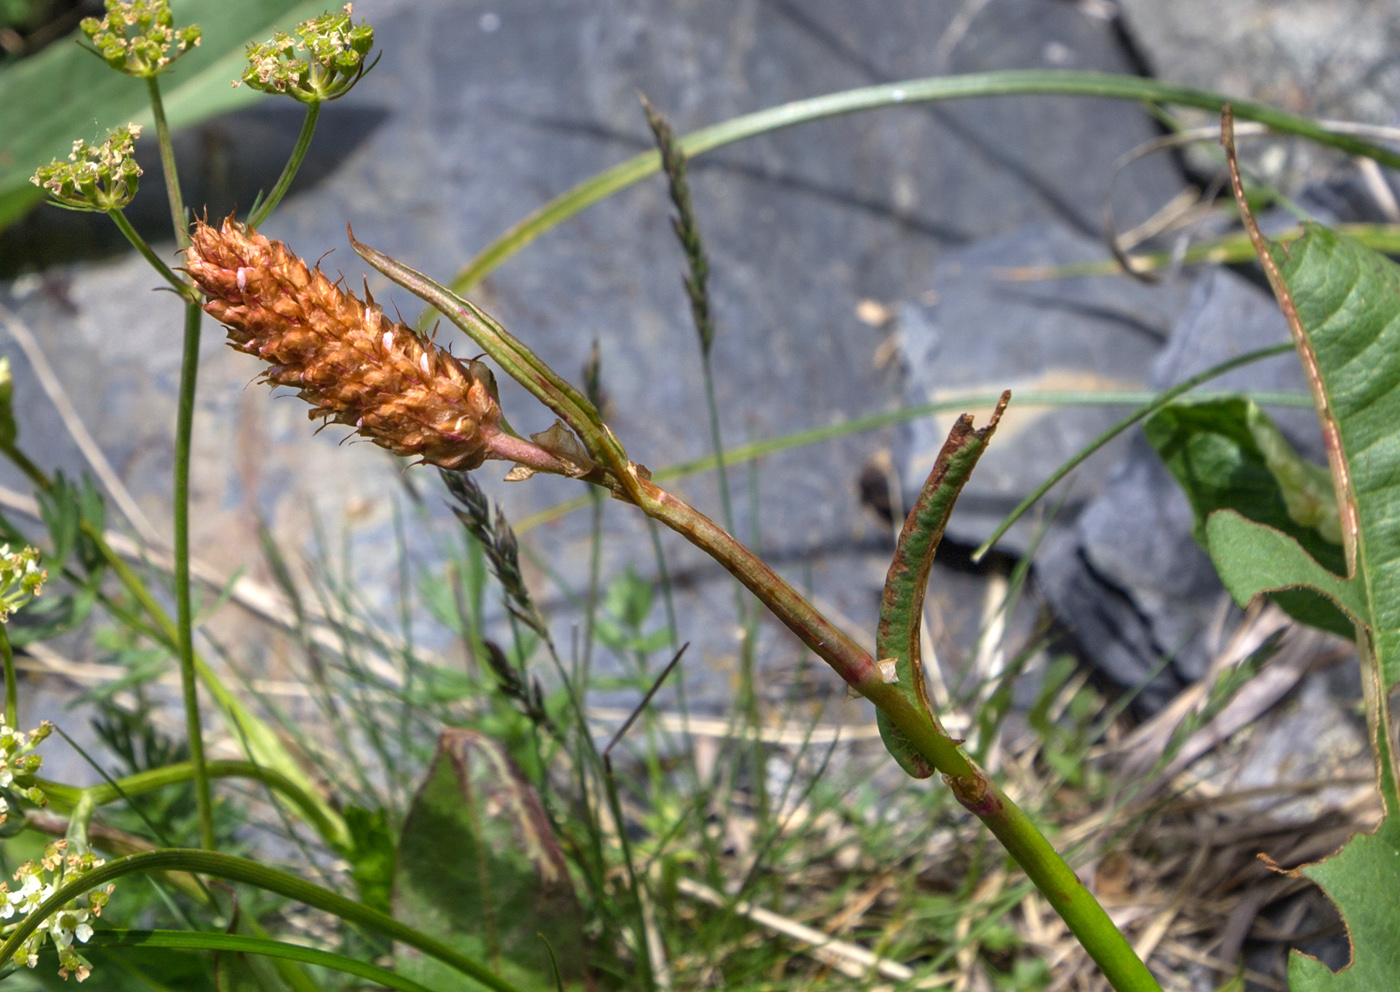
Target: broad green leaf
65,93
1363,879
1342,301
1348,301
1228,454
479,869
1253,558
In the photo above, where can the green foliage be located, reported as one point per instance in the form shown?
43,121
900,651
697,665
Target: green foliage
1266,525
479,868
372,855
1364,881
1228,455
626,606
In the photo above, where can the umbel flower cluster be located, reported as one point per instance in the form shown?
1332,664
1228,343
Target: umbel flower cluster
95,177
21,579
19,764
335,59
345,358
38,880
136,36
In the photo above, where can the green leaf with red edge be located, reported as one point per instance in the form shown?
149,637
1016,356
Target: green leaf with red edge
1343,304
1363,879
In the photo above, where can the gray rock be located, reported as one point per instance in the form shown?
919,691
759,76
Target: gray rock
1330,60
480,112
1128,579
983,333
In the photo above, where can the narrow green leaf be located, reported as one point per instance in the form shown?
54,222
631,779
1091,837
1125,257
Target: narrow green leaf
239,944
251,873
902,607
479,870
1015,82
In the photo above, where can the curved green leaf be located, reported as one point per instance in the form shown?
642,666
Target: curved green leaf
1363,879
1348,303
504,895
1253,558
234,869
185,940
1227,454
898,634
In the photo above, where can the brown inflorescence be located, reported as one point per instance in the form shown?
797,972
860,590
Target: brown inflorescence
343,356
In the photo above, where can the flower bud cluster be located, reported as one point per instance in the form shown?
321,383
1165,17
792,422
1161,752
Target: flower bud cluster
136,36
21,578
38,880
335,59
19,764
96,177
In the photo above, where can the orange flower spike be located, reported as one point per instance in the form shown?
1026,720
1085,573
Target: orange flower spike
343,356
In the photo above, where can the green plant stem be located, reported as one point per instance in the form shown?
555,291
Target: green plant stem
167,162
858,425
184,618
1143,412
7,654
234,869
184,430
239,944
139,243
645,967
972,787
284,182
1012,83
159,778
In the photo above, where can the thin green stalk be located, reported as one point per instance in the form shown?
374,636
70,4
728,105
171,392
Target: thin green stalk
184,429
189,685
139,243
31,471
289,171
167,163
238,944
1143,412
234,869
645,967
7,653
1012,83
167,775
1083,915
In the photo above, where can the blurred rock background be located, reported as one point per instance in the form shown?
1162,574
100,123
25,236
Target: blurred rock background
855,269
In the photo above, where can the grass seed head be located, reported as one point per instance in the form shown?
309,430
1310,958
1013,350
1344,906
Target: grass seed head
343,356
